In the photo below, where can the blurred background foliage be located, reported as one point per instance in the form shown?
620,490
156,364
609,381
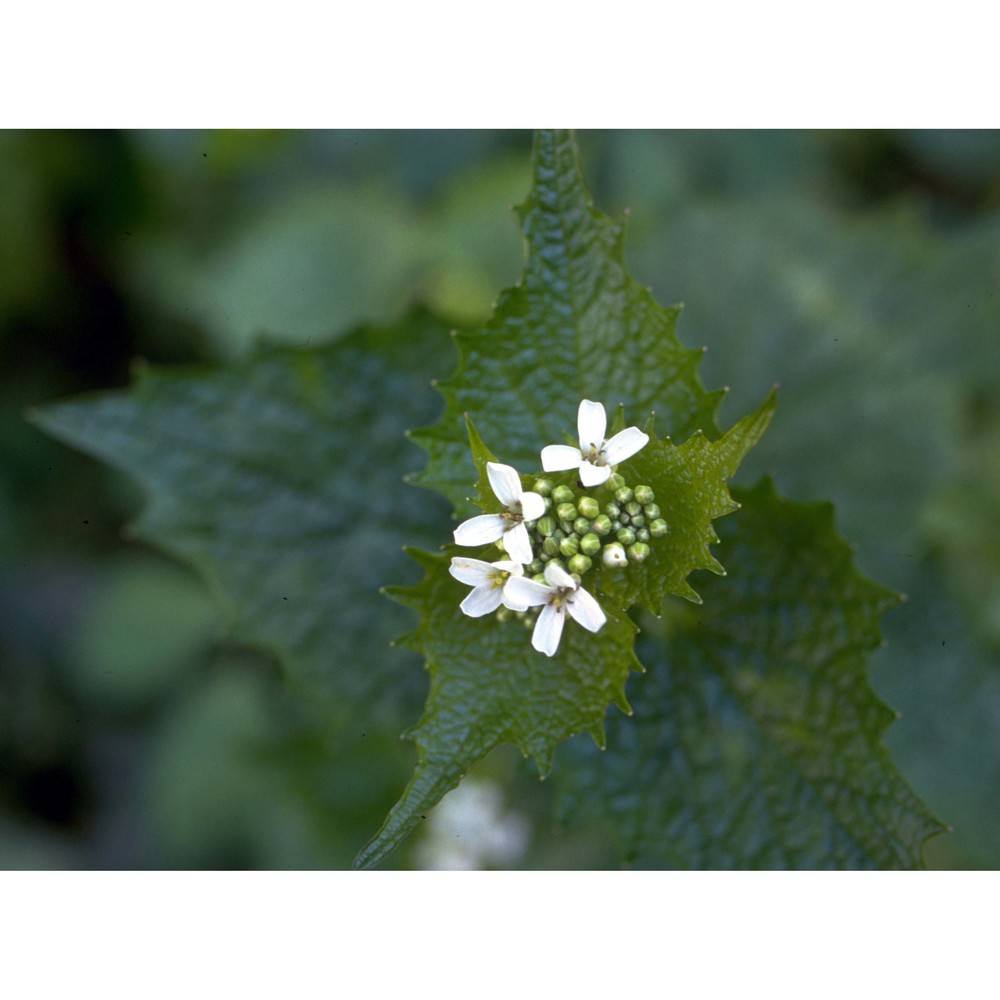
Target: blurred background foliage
857,269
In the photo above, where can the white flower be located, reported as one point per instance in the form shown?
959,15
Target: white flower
596,454
489,582
509,525
562,594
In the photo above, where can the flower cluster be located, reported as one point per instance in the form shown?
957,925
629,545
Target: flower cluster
553,535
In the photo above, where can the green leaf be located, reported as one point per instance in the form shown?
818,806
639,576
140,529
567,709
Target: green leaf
280,479
756,740
489,686
576,326
690,483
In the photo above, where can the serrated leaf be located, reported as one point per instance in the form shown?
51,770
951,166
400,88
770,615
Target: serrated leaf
756,740
576,326
691,486
489,686
280,479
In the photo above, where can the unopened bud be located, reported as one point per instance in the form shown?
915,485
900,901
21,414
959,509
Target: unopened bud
638,520
563,494
612,510
566,512
581,526
613,555
633,507
644,494
615,481
543,487
623,495
536,566
642,535
590,544
658,528
626,536
545,526
569,546
550,546
601,525
638,551
580,564
652,511
588,507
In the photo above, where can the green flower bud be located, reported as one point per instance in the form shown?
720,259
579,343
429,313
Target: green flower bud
569,546
557,562
588,507
615,481
658,528
642,535
581,526
547,504
543,487
623,495
652,511
550,546
602,524
538,577
638,551
638,520
545,526
626,536
612,510
633,507
617,525
580,564
536,566
566,512
643,494
613,555
623,519
563,494
590,544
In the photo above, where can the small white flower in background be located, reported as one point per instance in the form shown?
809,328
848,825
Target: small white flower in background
596,454
561,594
508,525
489,582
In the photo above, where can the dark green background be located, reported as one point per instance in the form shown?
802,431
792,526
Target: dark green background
859,270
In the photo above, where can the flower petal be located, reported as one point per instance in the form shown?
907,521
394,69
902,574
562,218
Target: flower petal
555,576
512,602
594,475
548,630
517,543
480,529
585,609
560,457
473,572
482,600
624,445
505,481
592,424
507,566
532,506
521,590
